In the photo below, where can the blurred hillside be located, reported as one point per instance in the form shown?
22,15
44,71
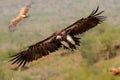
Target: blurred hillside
47,16
46,12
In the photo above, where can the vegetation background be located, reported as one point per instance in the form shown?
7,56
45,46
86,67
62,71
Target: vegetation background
93,59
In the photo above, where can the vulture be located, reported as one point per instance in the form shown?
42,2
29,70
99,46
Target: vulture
22,15
66,37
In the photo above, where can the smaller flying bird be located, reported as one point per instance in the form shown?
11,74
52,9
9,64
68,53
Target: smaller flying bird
66,37
22,15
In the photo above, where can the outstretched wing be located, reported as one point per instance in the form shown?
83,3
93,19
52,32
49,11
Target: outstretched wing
85,24
36,51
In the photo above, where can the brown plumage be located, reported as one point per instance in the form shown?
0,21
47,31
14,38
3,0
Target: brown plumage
65,37
115,71
22,15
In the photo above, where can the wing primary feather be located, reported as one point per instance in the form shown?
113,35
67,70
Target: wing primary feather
21,62
20,59
15,55
94,11
17,60
24,63
13,58
99,13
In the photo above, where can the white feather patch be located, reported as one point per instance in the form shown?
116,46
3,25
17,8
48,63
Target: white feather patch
58,37
69,38
65,44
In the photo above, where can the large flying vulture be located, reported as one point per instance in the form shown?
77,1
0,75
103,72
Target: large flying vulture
22,15
65,37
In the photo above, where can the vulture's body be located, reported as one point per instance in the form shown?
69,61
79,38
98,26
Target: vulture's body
65,37
22,15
